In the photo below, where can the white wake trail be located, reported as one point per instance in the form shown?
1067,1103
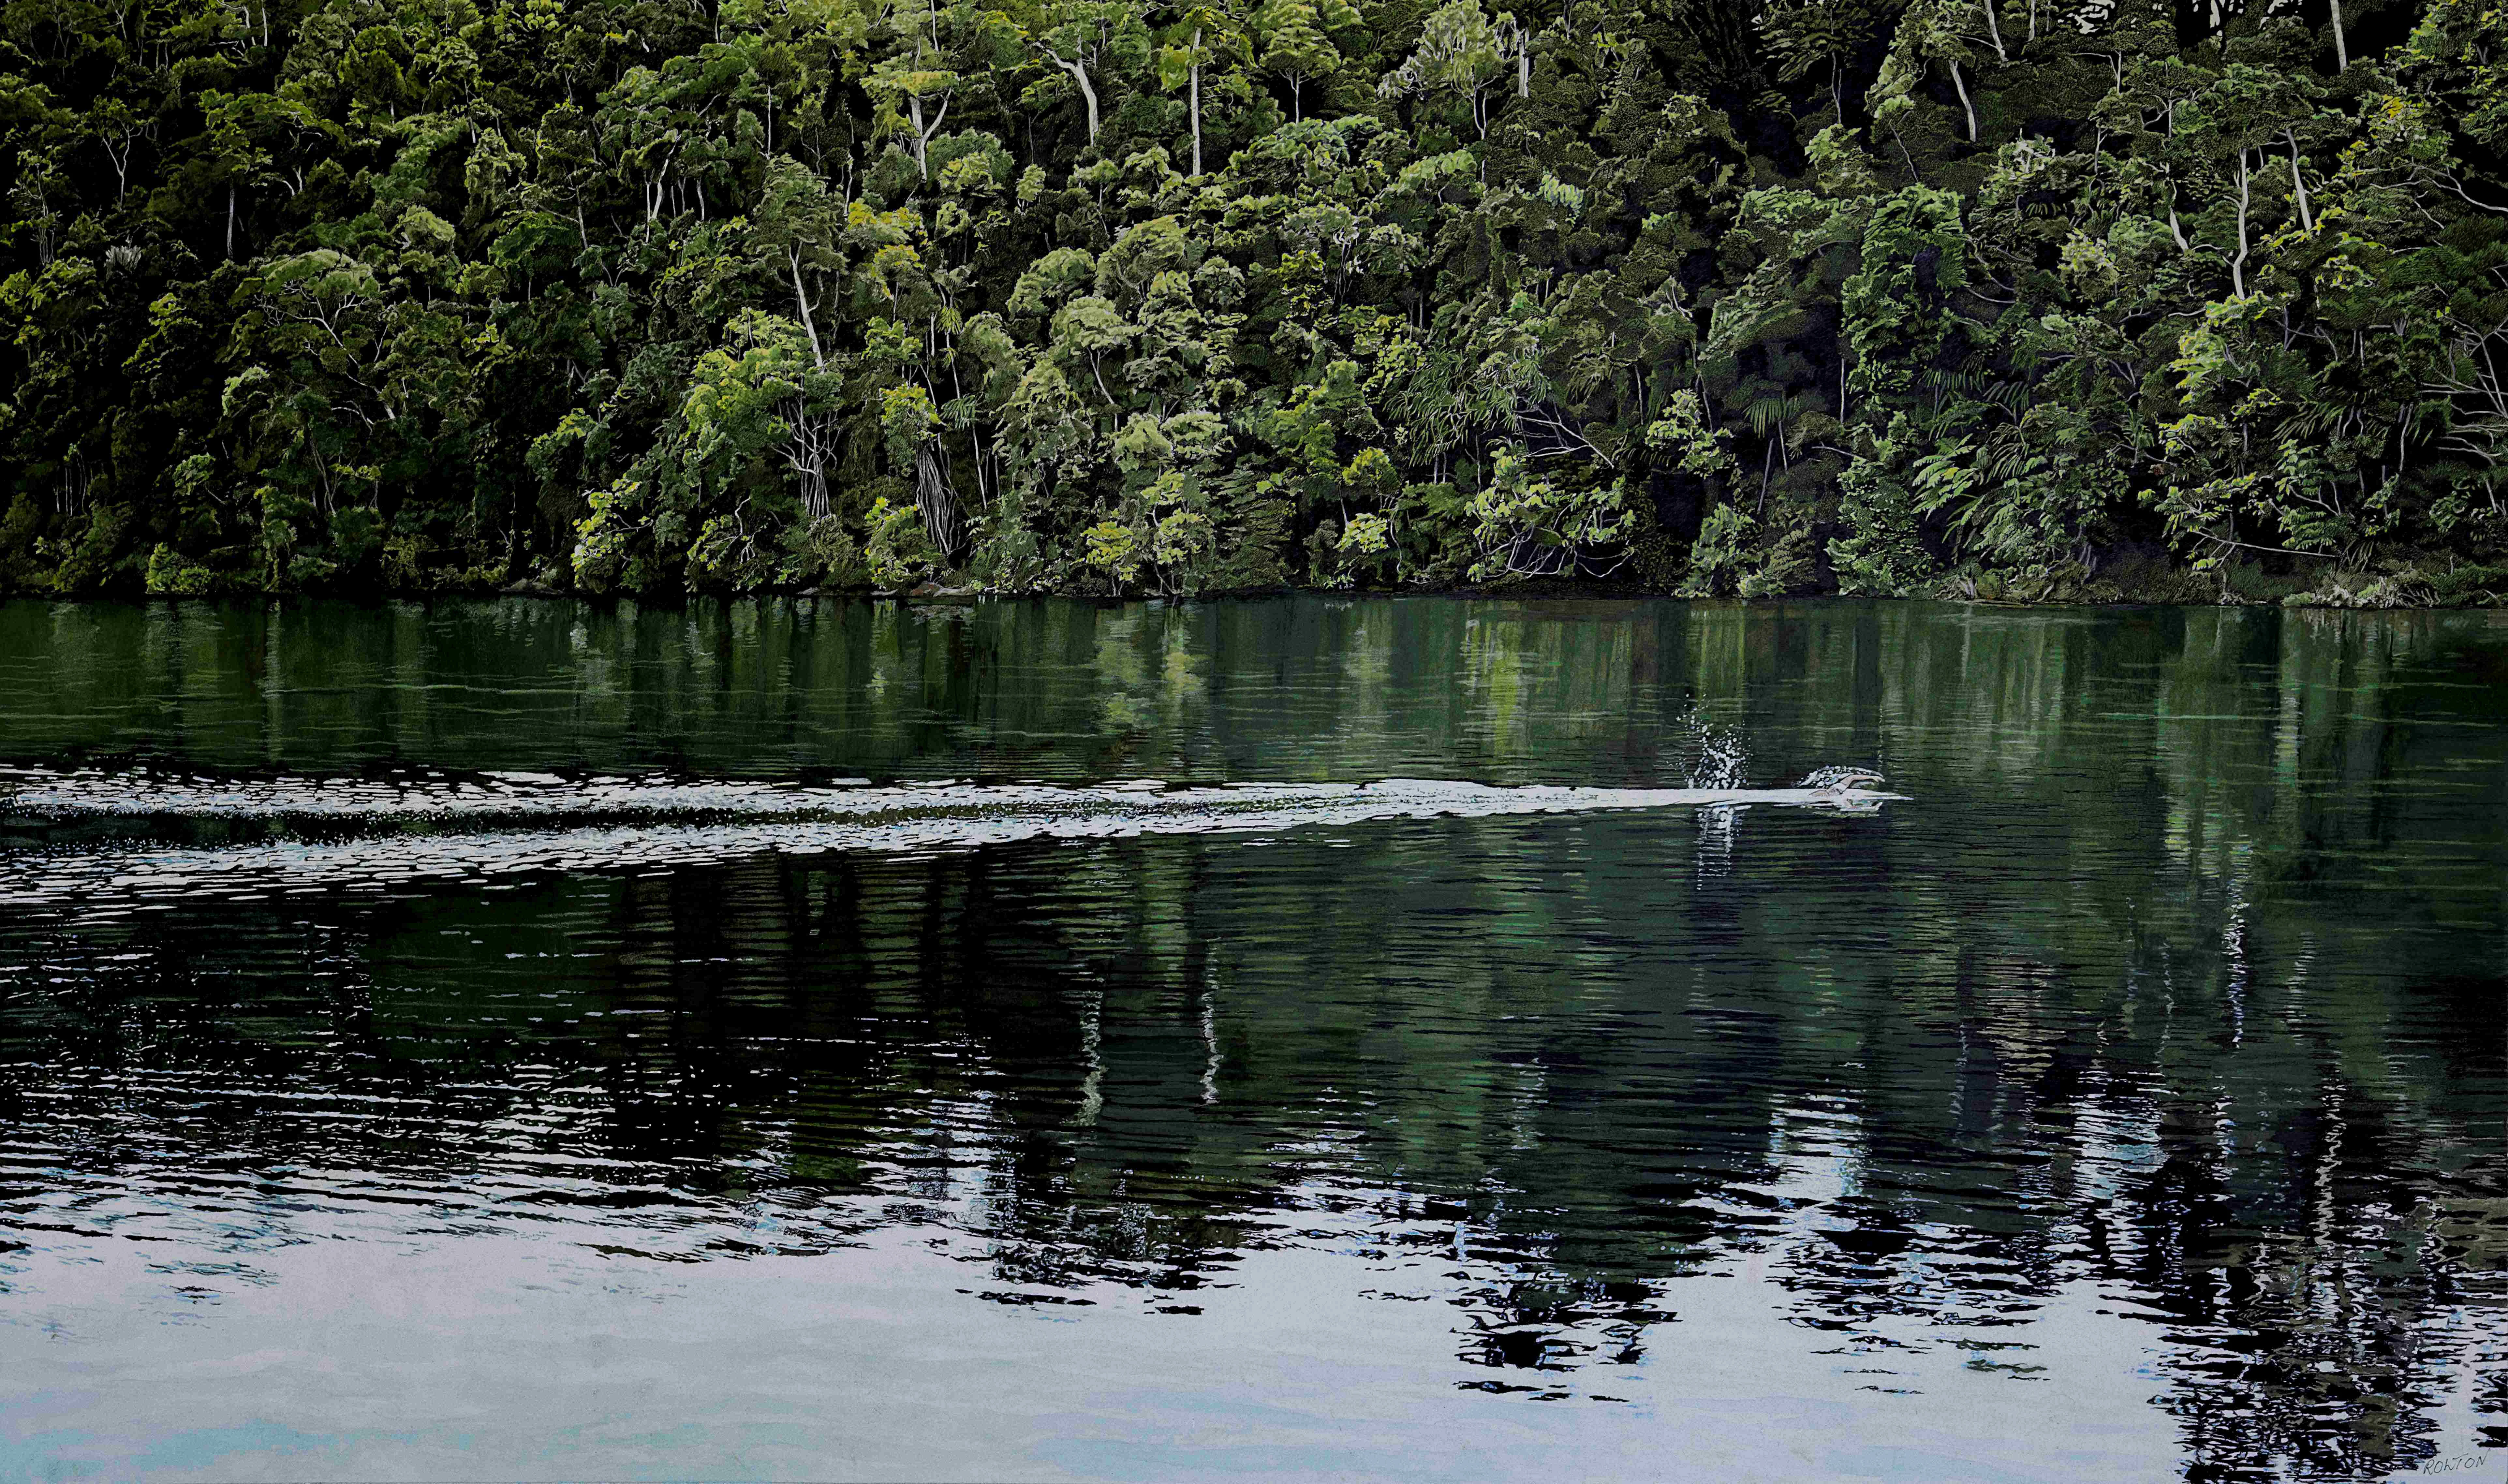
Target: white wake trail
681,825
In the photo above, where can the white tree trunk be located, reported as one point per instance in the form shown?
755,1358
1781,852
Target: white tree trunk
1080,75
802,297
923,132
937,502
2238,264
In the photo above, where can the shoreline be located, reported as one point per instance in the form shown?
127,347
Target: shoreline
2368,598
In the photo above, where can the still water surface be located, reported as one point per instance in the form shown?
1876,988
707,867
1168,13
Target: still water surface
529,1040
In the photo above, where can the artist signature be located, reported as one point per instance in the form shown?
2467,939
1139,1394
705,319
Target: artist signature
2457,1463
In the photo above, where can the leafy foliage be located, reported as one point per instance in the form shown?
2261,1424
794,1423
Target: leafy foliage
1989,297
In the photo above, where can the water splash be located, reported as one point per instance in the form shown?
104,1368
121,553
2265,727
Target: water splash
1721,761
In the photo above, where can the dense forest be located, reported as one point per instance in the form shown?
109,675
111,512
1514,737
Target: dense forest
2024,299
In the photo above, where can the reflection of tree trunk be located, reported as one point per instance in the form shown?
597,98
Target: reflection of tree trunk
936,502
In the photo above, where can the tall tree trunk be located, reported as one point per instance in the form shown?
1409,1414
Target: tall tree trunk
1196,102
923,132
1080,75
2238,264
2341,52
1965,104
936,502
802,297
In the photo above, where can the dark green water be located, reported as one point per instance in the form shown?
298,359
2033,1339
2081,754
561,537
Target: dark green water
2124,1100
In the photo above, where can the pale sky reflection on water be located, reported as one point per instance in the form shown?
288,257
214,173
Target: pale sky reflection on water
356,1360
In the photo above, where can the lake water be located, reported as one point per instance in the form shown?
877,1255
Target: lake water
529,1040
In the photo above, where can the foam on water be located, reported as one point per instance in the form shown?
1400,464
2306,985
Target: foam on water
506,824
45,794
